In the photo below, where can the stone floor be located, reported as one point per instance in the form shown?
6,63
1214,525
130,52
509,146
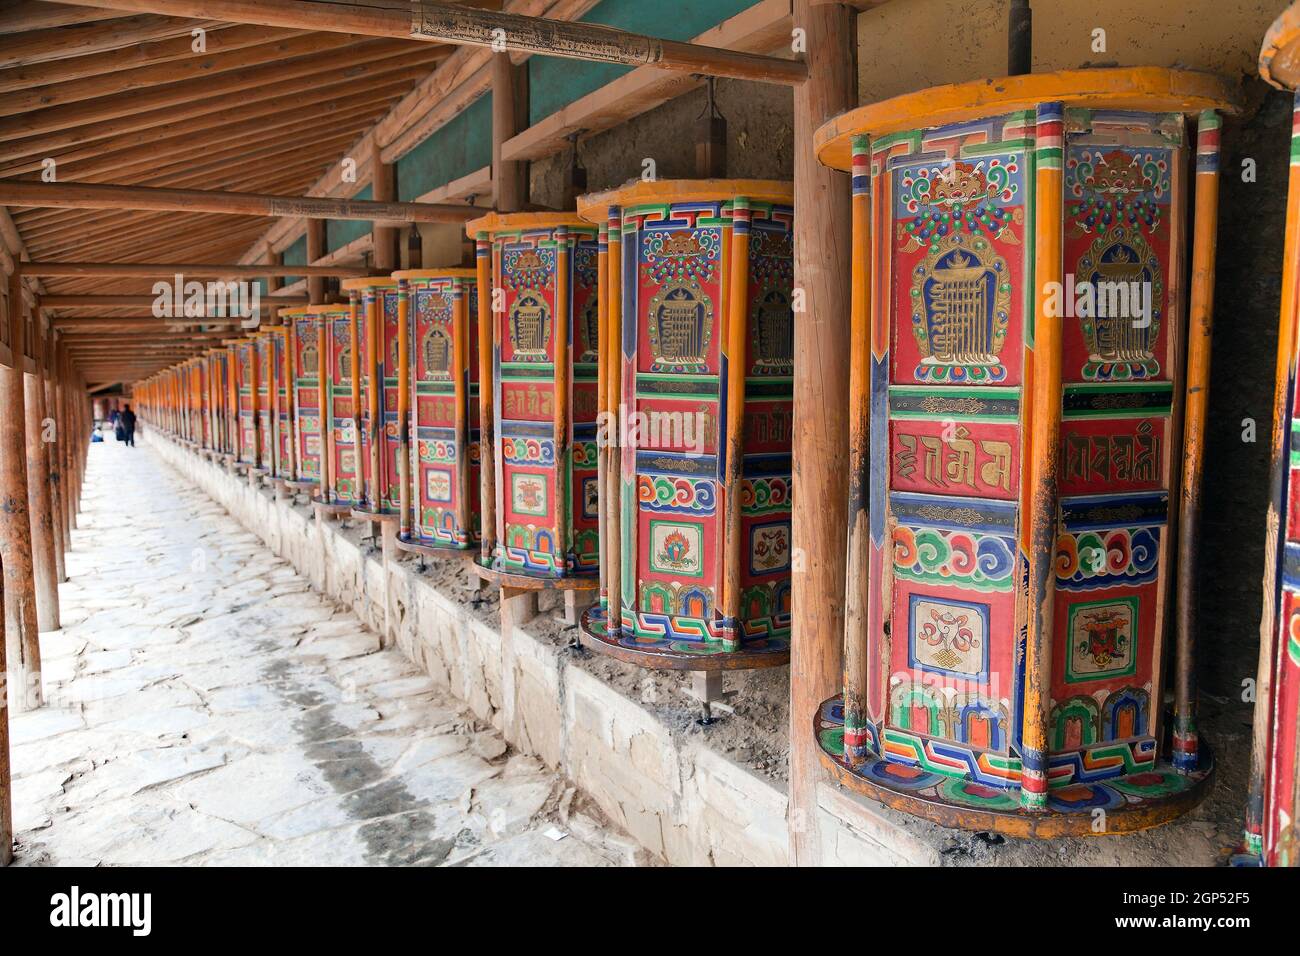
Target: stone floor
206,707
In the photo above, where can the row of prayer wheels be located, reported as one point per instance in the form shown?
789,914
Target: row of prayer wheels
1028,392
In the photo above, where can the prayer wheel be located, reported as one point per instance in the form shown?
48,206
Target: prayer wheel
375,395
539,490
1274,797
304,357
1028,385
341,489
438,322
696,402
244,396
274,429
218,392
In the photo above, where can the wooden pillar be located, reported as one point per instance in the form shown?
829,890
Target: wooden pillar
404,408
509,114
734,373
487,321
44,564
821,373
384,189
6,792
563,327
857,581
54,456
460,343
1200,328
22,645
1041,498
611,559
1284,378
315,252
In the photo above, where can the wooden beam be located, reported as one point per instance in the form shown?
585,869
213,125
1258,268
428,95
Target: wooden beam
128,59
189,269
352,71
95,196
821,395
38,46
248,118
247,47
132,301
25,15
324,59
448,23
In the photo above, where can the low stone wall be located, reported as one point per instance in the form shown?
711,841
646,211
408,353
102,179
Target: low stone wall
675,796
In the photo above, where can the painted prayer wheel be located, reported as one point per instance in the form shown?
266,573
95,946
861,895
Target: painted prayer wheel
438,316
1028,388
376,395
341,488
539,494
214,402
1274,799
697,376
304,359
244,393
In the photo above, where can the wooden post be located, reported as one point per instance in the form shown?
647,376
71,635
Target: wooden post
612,547
604,505
509,110
563,327
1284,378
23,646
6,793
460,340
373,300
1205,218
487,320
44,563
733,371
857,583
354,356
821,394
315,252
1040,499
324,375
54,453
382,187
404,409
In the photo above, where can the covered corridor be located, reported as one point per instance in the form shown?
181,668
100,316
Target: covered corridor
204,706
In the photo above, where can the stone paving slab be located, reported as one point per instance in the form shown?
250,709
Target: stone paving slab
207,708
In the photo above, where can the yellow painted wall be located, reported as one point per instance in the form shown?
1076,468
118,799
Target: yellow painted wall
908,45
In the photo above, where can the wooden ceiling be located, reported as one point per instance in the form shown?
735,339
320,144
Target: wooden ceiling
109,96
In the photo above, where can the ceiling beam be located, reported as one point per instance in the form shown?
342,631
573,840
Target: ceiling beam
140,301
38,46
188,269
96,196
130,58
448,23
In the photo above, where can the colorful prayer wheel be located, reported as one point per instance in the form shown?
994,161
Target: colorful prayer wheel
376,396
341,488
243,386
304,358
539,495
697,377
1274,796
438,309
1028,385
214,402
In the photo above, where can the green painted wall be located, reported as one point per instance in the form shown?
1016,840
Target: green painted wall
339,232
554,83
295,255
454,150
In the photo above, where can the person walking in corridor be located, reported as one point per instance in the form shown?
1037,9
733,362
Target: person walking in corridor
127,419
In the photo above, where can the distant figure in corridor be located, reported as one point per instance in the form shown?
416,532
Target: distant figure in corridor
127,420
